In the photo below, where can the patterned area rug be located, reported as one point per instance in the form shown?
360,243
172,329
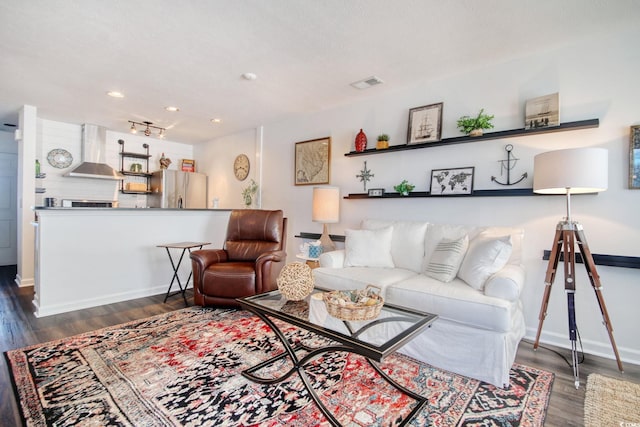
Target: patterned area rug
183,369
611,402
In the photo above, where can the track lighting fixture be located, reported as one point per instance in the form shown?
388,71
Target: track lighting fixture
147,128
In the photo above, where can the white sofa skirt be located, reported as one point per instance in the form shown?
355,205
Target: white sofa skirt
477,353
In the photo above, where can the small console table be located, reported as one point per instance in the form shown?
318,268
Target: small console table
185,246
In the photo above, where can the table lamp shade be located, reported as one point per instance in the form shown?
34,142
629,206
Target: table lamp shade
326,205
573,171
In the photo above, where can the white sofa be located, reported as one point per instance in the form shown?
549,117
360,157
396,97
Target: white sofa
471,277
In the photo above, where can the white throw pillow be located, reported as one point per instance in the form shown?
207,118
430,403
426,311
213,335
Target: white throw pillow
407,241
368,248
446,258
484,257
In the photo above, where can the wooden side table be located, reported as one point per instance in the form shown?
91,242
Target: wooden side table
311,262
185,246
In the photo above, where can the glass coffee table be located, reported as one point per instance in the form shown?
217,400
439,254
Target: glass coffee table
374,339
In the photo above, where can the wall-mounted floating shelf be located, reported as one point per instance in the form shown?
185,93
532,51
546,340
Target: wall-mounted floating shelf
513,192
316,236
583,124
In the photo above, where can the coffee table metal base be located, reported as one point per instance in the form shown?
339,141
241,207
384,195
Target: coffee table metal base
299,367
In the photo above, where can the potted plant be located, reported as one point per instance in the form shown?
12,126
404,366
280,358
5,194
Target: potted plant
404,187
473,126
249,193
383,142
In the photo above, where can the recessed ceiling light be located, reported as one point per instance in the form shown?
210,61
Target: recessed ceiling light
249,76
216,120
115,94
172,109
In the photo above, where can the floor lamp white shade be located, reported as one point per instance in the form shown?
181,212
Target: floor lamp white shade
575,170
326,210
571,171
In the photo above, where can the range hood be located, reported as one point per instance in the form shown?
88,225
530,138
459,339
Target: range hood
94,145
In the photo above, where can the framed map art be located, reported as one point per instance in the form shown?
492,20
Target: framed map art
312,161
446,182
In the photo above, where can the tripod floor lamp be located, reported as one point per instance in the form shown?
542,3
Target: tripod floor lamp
572,171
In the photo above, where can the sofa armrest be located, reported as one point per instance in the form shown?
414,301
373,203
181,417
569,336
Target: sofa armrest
506,284
332,259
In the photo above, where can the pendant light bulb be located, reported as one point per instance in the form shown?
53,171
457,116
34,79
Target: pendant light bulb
133,128
147,131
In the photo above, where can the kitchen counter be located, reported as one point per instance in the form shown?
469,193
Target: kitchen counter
57,208
87,257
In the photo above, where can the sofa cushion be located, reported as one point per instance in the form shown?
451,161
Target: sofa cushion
407,242
446,258
506,283
345,279
368,248
485,256
455,301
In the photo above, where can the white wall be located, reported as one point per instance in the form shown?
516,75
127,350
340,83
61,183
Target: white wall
217,160
8,143
596,79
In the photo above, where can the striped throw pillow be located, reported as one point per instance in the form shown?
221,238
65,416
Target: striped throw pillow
446,259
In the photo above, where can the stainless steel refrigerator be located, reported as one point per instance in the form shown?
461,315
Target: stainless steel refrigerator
177,189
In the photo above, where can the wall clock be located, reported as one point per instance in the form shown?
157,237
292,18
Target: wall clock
241,167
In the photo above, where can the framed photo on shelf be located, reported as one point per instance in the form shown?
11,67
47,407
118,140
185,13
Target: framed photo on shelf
445,182
634,158
312,161
188,165
542,112
425,124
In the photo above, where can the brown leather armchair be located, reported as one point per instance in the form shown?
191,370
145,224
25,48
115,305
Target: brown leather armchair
253,255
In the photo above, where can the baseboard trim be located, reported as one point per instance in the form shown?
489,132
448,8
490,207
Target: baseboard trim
43,311
595,348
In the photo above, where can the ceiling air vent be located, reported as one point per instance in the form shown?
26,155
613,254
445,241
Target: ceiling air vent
367,83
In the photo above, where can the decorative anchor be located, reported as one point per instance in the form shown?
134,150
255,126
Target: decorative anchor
506,164
365,176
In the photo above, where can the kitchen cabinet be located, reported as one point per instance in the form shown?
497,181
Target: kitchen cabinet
135,168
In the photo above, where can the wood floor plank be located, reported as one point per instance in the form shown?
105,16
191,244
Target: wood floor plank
21,328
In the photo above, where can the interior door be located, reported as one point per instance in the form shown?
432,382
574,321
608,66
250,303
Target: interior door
8,209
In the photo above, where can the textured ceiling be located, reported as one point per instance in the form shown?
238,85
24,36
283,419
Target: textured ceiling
62,56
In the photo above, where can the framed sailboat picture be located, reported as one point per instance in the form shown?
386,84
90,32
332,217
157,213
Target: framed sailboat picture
425,124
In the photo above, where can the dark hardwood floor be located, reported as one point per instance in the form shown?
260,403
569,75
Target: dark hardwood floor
19,328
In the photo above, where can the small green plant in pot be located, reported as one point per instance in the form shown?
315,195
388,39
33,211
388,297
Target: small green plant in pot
383,141
404,187
474,126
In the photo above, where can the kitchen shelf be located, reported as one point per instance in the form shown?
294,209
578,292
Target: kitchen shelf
583,124
41,190
135,155
135,192
128,173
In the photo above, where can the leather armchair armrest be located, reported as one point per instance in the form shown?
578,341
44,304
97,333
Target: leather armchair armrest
203,258
268,267
200,260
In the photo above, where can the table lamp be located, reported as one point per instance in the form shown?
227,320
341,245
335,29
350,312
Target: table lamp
572,171
326,210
